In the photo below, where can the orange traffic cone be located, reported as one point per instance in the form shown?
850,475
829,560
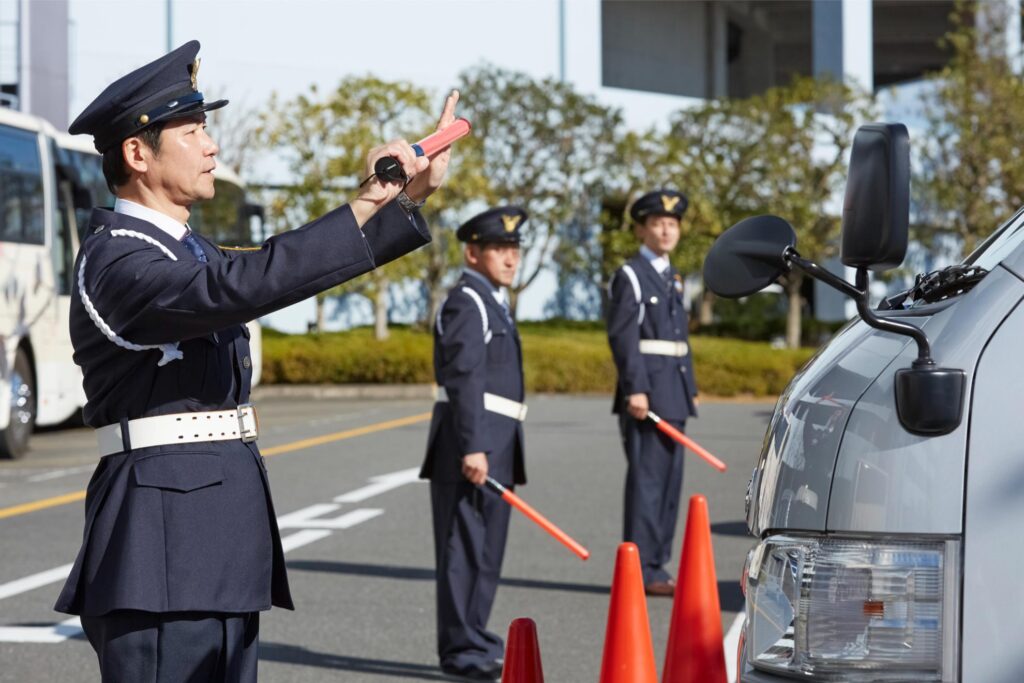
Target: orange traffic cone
522,654
628,651
695,651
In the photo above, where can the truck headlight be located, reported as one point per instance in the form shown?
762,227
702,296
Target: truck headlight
854,609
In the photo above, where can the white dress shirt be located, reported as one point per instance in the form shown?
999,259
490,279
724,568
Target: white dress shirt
660,263
161,220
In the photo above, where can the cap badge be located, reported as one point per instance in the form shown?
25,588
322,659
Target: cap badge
194,74
510,222
669,202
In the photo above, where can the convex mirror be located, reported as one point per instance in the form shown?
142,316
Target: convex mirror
749,256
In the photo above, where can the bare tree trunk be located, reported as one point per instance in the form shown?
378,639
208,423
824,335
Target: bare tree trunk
707,308
434,307
513,301
380,313
793,314
320,301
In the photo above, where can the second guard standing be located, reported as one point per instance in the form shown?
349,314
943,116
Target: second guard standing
648,335
476,432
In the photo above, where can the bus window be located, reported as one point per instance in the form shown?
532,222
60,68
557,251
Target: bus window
21,187
90,175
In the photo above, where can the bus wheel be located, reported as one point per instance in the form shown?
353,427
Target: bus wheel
14,438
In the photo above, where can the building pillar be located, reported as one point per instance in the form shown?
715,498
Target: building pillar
842,41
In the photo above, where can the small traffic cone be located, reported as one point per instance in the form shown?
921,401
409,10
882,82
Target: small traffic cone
695,652
628,651
522,654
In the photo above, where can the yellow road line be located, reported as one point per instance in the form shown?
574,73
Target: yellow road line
76,496
25,508
348,434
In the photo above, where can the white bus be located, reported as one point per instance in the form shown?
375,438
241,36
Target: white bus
49,183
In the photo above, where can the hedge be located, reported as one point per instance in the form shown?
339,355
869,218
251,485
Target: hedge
561,357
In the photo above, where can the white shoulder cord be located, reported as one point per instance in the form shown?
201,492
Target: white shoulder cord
479,304
631,274
170,351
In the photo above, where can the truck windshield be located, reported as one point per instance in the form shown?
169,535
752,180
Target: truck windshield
999,245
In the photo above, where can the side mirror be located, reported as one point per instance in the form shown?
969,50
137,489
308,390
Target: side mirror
749,256
930,400
876,211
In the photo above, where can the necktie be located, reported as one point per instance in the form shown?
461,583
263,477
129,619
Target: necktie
193,245
508,312
669,278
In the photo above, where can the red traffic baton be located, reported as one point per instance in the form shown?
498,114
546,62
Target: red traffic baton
435,142
539,519
685,441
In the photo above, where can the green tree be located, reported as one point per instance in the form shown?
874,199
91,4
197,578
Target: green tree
973,165
781,152
323,139
544,147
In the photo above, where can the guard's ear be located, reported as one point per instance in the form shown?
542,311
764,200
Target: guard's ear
136,154
472,253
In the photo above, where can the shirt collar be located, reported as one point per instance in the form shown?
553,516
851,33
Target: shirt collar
660,263
497,292
161,220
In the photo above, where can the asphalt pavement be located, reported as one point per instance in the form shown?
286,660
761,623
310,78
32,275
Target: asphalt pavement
356,528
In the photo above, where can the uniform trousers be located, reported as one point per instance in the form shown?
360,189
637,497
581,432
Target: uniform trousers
654,482
470,530
175,647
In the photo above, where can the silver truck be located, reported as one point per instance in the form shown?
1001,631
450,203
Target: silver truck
888,498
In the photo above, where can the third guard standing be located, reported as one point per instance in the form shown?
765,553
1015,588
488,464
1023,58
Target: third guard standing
647,332
476,432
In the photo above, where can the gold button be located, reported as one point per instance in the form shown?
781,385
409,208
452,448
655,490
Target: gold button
246,363
144,118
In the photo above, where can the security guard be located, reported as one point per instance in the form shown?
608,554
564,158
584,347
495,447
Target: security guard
648,335
476,432
181,549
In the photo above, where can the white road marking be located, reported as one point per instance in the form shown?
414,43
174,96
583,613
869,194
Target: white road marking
35,581
300,517
345,521
54,474
308,519
301,538
379,485
731,642
58,633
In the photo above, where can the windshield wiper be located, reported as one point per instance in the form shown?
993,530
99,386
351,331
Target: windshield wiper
938,285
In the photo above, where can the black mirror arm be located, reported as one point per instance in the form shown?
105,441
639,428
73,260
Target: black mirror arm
819,273
859,294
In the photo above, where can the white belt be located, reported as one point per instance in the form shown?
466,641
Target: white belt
495,404
661,347
163,430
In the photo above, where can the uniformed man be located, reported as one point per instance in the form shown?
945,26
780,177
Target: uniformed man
181,549
476,432
647,332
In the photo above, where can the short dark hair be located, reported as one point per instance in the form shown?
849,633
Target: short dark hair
115,171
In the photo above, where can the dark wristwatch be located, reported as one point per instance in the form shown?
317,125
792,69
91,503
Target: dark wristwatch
407,203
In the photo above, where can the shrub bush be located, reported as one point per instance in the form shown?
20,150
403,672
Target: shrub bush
563,357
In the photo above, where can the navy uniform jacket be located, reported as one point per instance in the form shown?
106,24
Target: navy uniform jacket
646,308
473,356
192,526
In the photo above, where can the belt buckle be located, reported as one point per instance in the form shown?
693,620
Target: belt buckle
248,422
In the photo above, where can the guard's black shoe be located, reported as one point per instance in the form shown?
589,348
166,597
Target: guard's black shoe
490,671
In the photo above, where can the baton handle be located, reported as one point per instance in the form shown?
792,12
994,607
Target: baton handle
685,441
537,518
389,170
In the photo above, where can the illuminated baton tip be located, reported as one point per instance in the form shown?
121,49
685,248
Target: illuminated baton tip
538,519
685,441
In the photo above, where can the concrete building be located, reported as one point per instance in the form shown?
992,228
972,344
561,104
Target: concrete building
34,54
